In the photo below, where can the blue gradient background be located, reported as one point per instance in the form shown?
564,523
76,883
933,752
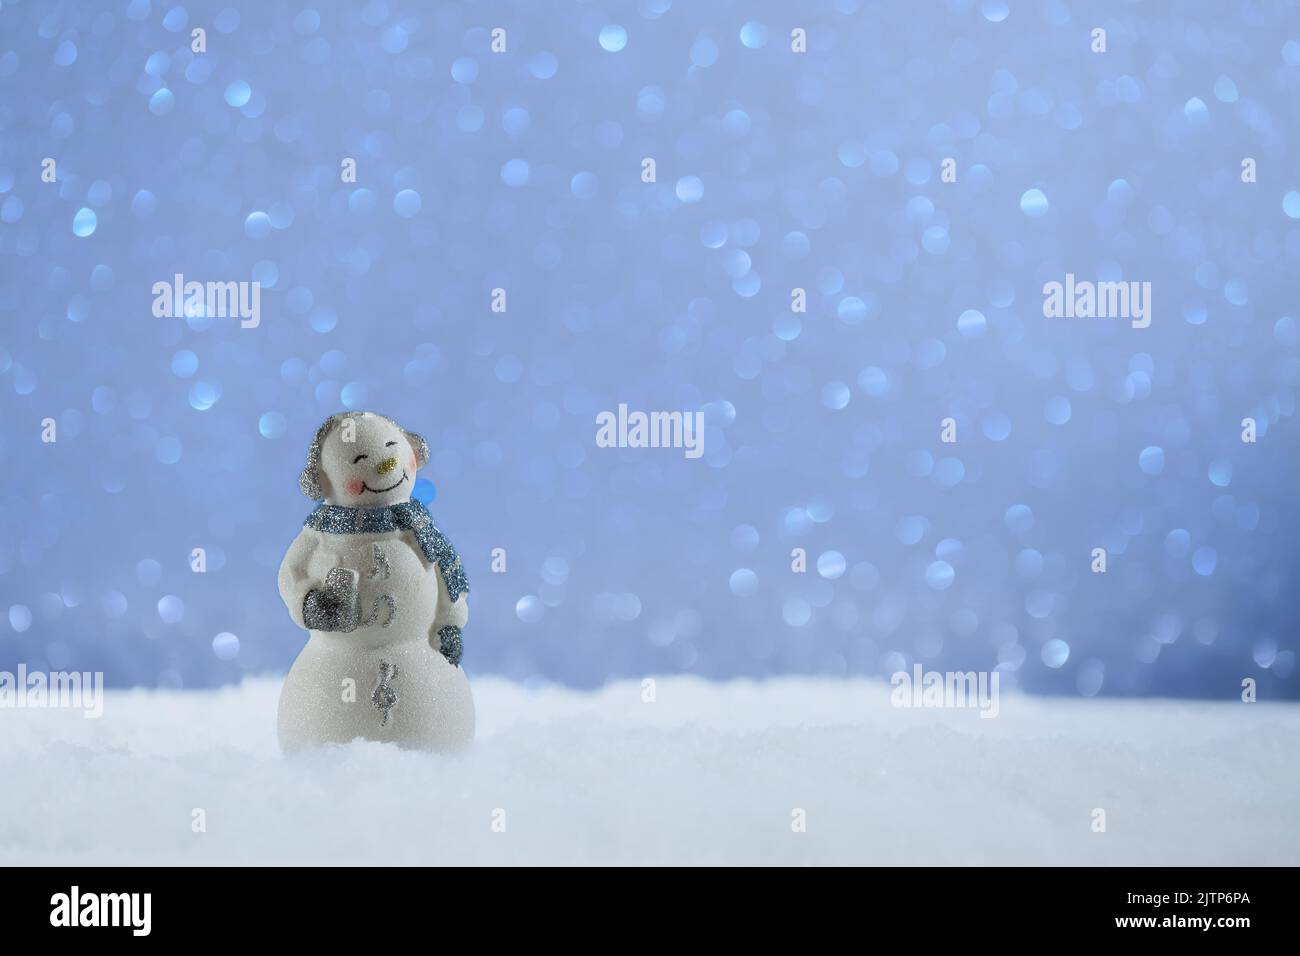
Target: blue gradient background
775,170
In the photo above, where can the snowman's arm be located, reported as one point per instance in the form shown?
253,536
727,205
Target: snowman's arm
449,613
449,616
294,582
448,620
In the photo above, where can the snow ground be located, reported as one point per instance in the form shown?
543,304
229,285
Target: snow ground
707,774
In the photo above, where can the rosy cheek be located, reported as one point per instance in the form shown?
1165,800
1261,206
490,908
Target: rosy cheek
413,466
355,486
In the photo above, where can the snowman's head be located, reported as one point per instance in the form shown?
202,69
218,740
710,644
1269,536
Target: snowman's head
362,460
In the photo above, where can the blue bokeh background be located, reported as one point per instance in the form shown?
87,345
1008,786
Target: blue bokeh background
775,170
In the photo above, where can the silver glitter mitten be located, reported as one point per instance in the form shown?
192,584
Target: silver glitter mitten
333,607
450,644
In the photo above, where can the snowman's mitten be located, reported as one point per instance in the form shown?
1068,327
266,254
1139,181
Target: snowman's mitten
449,643
325,611
333,607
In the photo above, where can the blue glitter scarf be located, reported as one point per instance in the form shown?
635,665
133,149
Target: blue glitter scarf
408,516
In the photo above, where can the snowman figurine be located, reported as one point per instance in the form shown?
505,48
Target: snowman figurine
383,595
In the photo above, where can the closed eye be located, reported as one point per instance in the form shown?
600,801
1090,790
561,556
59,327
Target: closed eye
389,444
358,458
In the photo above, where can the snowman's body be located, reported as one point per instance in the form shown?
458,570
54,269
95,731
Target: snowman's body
368,577
387,678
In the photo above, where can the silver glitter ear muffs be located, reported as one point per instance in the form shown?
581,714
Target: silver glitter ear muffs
420,445
309,478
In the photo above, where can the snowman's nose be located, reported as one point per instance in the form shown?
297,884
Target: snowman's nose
387,465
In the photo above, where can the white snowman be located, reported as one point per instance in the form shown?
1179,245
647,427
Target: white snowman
383,594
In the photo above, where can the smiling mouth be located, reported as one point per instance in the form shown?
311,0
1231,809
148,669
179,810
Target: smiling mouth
380,491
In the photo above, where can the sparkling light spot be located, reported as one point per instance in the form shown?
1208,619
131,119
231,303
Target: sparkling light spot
171,608
225,646
753,35
271,425
737,263
996,426
65,54
509,369
852,155
323,320
1152,459
143,204
935,240
584,185
690,189
1034,203
257,225
516,121
1285,330
543,65
613,38
1019,518
713,234
530,609
995,11
20,617
84,222
162,102
114,604
424,491
1029,562
972,324
469,118
464,69
204,394
175,19
911,529
835,395
361,202
831,565
852,310
704,51
238,94
407,203
1177,543
515,173
797,612
168,450
743,582
1055,653
184,363
1057,410
940,575
148,572
100,193
1220,472
353,395
737,122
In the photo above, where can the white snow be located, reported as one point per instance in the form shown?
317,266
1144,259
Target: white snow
707,773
